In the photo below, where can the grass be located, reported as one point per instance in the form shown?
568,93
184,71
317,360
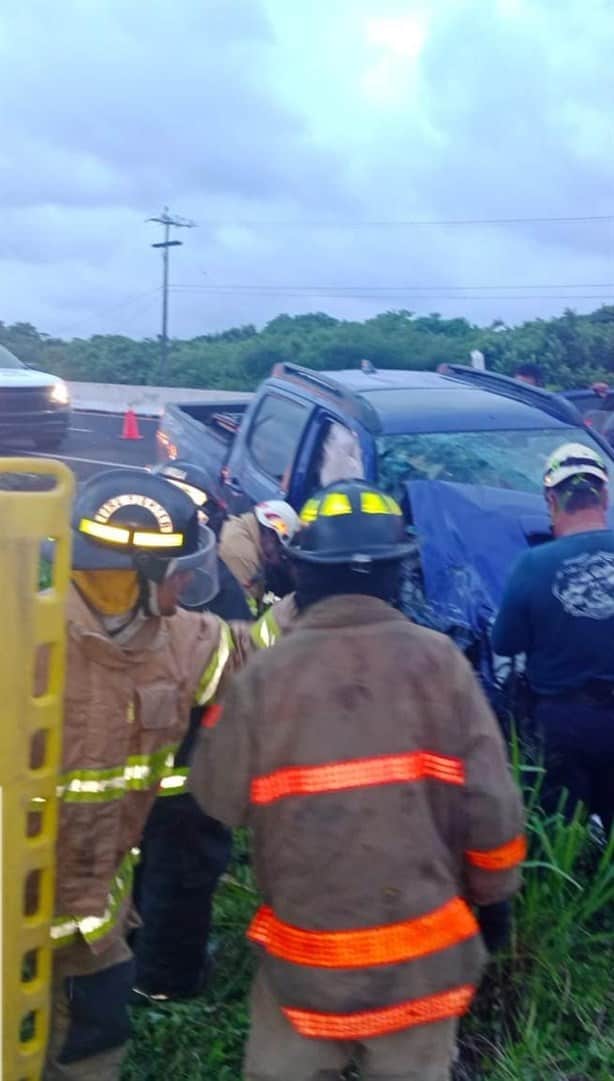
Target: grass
203,1039
544,1011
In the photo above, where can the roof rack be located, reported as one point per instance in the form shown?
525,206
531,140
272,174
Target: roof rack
354,404
553,404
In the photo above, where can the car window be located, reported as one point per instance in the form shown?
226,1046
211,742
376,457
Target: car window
499,459
275,434
341,456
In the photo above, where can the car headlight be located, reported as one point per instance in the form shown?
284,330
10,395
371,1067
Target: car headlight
59,393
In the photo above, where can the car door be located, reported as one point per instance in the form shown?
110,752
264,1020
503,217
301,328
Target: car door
260,466
310,471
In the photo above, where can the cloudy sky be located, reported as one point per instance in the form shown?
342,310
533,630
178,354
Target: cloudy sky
306,140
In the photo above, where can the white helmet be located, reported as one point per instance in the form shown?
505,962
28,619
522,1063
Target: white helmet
574,460
279,516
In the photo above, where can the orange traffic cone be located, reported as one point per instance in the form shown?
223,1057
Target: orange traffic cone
130,429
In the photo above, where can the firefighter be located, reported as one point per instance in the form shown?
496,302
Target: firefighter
253,546
183,852
229,601
135,666
364,757
558,609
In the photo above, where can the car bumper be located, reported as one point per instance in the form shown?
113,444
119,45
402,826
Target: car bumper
34,423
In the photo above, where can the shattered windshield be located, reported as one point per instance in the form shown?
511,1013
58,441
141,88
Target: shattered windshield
499,459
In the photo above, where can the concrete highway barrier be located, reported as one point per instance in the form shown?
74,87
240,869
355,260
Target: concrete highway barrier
146,401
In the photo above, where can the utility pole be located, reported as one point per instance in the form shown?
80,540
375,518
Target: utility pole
168,222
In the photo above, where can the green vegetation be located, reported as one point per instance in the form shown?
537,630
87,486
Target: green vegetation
544,1012
572,349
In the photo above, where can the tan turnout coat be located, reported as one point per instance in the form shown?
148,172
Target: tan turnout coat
363,754
126,709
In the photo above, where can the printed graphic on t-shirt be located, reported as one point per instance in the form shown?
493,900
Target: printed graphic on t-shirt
585,585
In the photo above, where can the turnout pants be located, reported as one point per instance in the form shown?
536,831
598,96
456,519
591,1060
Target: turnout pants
277,1052
90,1025
183,854
578,735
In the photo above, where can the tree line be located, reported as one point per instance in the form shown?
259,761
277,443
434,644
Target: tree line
571,349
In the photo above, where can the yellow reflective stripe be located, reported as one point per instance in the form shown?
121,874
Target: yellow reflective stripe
210,680
309,512
139,772
64,929
63,932
266,631
175,782
334,504
111,533
378,503
117,535
393,506
157,540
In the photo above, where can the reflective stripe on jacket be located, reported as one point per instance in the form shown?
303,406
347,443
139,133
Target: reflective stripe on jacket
66,929
276,621
126,710
363,754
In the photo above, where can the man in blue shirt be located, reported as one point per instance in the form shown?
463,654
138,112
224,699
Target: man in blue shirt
558,610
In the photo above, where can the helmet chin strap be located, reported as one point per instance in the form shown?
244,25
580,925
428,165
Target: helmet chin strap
148,589
152,604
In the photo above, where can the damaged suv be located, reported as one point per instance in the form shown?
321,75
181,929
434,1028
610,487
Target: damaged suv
463,453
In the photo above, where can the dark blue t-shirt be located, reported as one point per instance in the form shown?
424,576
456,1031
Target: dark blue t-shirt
558,609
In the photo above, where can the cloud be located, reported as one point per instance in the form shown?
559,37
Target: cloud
132,99
276,126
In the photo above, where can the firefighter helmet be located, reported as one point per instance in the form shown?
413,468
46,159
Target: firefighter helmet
194,482
350,522
574,460
128,519
279,516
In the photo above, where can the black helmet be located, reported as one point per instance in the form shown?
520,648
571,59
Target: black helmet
350,522
128,519
187,476
194,482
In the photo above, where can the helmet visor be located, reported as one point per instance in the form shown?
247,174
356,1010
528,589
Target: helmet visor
202,585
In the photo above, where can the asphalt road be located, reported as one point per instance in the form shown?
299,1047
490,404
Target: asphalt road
94,442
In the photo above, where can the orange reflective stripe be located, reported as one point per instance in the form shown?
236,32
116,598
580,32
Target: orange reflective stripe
360,1026
211,716
356,773
388,945
502,858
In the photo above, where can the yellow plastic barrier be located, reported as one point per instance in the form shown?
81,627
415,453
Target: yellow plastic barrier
31,686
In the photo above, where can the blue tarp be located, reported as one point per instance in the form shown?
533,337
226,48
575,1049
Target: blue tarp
469,537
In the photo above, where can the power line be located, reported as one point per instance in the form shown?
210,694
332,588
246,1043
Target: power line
273,287
406,296
386,223
101,313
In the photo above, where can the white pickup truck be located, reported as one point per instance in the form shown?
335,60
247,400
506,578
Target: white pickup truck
33,405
